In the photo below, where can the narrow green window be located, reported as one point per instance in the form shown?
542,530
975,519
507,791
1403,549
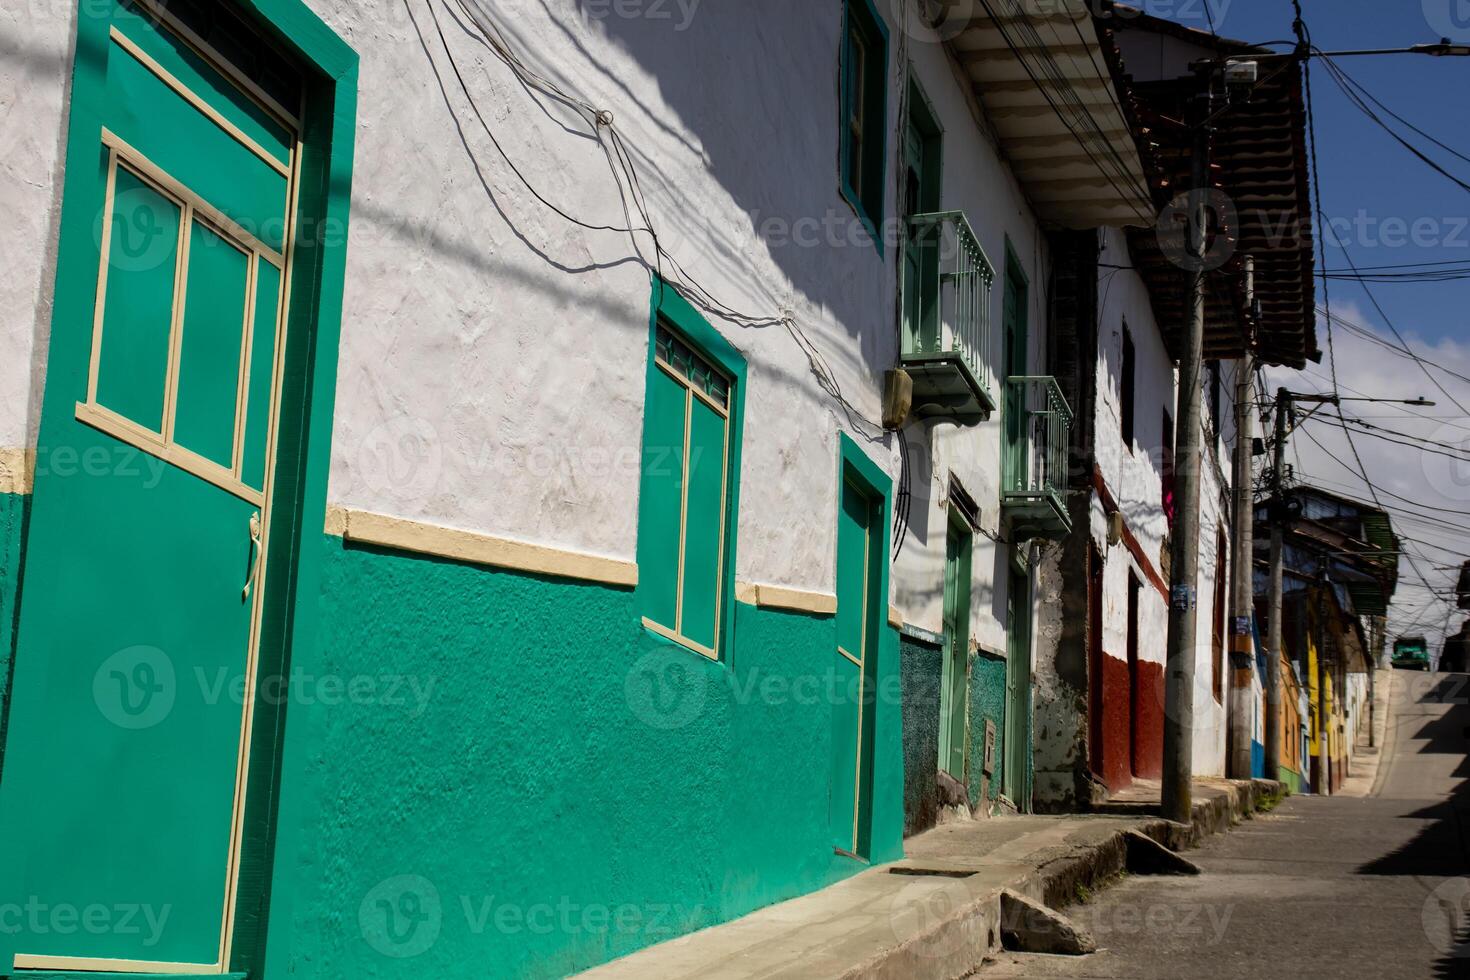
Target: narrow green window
686,493
864,103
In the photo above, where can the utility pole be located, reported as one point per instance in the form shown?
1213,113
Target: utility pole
1322,776
1177,795
1242,559
1273,613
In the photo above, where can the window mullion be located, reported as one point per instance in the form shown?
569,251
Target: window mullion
683,512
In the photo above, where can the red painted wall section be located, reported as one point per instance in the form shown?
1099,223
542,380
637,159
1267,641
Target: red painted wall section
1132,746
1117,725
1148,729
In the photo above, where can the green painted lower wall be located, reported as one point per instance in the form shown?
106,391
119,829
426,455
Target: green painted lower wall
1293,781
557,787
13,510
987,703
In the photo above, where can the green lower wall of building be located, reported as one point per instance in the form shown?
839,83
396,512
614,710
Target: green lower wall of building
921,668
13,510
1293,780
559,787
987,703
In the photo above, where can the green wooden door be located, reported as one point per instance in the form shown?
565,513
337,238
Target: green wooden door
1013,411
858,619
1018,688
955,667
136,660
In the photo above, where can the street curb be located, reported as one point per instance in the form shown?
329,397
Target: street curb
1390,731
958,928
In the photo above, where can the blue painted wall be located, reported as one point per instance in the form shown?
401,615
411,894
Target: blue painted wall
559,787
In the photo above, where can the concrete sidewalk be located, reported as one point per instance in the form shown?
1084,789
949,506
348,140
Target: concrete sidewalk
1364,767
937,913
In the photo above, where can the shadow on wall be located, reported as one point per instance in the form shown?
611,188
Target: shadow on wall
774,155
773,152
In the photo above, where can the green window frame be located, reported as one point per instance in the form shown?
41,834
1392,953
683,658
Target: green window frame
693,418
863,123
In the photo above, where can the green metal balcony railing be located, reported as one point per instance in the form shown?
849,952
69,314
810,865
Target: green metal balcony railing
1038,433
946,330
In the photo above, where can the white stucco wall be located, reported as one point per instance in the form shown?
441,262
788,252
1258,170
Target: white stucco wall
1135,480
493,357
36,41
1133,475
978,181
1216,503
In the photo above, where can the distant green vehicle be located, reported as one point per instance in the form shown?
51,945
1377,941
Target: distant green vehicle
1411,653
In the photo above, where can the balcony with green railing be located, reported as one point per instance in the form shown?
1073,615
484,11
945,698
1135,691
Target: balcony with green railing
1037,425
946,319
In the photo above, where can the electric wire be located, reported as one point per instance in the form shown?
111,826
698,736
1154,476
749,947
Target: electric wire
625,173
1304,46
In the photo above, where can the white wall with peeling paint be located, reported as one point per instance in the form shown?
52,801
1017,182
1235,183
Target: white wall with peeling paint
493,352
36,42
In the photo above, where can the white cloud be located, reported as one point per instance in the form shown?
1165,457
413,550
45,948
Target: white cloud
1433,515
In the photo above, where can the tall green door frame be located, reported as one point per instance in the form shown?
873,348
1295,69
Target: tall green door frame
1017,770
315,264
954,680
864,508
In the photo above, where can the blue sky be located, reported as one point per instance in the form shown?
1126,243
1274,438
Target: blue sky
1372,186
1392,209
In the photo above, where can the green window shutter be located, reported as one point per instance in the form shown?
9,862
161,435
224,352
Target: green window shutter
663,494
687,507
704,529
863,104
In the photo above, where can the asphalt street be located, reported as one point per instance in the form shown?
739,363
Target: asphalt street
1372,887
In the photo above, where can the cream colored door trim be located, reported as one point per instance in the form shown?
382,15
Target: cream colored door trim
24,961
